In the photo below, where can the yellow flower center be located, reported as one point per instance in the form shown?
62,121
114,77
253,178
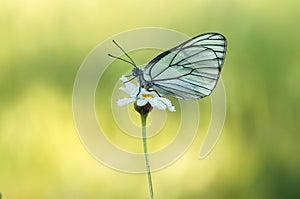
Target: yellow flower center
145,96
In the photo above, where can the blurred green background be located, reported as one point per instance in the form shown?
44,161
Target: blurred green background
43,44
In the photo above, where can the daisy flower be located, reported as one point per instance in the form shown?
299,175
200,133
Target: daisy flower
142,97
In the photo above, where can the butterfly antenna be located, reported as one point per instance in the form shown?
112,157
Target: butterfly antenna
130,62
121,59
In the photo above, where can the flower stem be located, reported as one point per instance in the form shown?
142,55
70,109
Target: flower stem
143,119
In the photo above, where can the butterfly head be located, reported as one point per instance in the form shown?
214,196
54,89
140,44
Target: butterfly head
137,72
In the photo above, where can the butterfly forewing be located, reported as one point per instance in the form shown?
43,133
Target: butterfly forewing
190,70
213,41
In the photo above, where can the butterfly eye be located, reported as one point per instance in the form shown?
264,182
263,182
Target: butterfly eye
137,72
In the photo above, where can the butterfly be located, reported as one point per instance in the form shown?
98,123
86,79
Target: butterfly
189,71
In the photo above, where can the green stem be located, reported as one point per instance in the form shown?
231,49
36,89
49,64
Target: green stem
143,119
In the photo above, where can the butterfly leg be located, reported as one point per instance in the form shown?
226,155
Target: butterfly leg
152,90
129,79
140,89
128,75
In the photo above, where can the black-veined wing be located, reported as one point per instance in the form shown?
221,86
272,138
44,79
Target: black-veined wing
190,70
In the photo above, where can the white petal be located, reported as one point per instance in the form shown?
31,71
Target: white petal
134,92
130,88
141,102
171,108
125,101
160,105
123,79
167,103
152,101
123,89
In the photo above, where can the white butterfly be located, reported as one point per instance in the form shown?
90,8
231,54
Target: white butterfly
188,71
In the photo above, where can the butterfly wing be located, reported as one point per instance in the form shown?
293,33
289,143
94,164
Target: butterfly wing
190,70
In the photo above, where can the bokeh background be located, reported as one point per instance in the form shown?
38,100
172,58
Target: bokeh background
43,44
